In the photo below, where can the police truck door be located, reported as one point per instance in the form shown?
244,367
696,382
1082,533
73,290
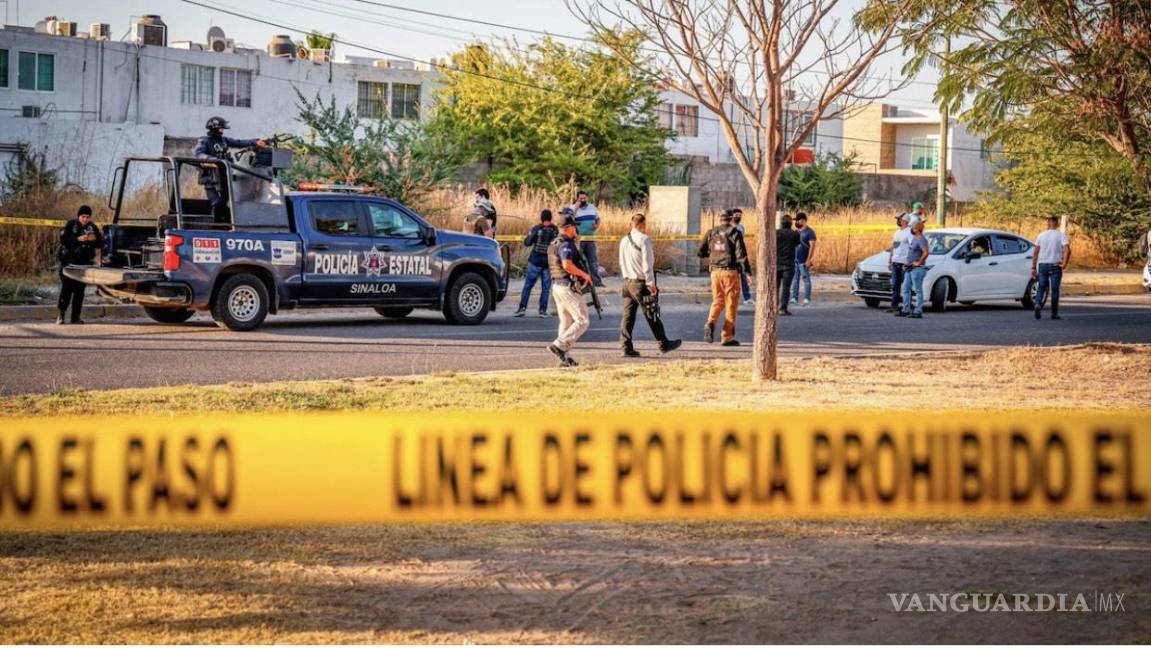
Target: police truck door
402,268
336,246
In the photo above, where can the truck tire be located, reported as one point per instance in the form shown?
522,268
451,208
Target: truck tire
169,315
468,300
394,312
939,295
241,304
872,302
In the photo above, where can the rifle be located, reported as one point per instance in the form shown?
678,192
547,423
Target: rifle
590,288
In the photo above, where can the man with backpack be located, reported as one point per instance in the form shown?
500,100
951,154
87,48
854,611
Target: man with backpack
725,248
538,239
640,292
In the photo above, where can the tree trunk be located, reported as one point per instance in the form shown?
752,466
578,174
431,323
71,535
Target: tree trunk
763,357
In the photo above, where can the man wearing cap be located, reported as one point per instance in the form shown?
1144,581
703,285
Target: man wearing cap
568,281
725,249
897,260
215,146
80,244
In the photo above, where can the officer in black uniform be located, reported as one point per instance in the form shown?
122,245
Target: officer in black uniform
80,244
215,146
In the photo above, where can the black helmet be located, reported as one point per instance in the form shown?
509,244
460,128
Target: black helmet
216,122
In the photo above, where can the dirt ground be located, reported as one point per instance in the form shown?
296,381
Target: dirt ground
745,582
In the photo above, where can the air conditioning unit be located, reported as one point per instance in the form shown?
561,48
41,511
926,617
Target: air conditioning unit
101,31
222,45
64,28
30,112
320,55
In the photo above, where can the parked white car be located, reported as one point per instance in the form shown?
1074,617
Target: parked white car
965,265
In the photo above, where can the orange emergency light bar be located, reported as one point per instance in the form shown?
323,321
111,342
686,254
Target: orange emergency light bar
320,186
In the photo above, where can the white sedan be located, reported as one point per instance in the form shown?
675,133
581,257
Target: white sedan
965,265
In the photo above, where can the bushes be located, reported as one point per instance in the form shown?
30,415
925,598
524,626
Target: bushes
828,183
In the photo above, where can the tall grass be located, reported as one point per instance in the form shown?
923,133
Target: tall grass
836,252
26,250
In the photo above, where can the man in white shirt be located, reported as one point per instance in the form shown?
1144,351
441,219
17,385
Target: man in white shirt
1052,252
897,260
637,267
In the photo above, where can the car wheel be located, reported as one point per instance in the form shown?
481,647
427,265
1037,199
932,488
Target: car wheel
939,295
468,300
394,312
169,315
241,304
872,302
969,302
1028,300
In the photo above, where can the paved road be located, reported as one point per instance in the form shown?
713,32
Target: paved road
37,357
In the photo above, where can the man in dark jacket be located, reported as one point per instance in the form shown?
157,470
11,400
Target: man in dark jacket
80,244
215,146
727,253
538,239
786,241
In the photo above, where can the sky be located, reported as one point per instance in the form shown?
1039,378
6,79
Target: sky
404,33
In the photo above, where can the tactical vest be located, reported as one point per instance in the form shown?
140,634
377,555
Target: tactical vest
555,264
721,248
544,238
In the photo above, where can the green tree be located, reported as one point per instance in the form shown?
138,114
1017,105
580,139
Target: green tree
1064,87
1049,173
550,114
829,182
397,158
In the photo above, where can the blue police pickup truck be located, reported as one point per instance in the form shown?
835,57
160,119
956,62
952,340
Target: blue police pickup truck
231,241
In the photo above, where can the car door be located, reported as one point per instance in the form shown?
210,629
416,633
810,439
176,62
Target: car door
1014,256
979,270
400,247
336,242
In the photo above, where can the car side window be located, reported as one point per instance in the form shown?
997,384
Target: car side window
980,245
1009,245
335,217
388,221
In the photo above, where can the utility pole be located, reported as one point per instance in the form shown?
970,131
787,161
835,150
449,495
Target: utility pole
941,182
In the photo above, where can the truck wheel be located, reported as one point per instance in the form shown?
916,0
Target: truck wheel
872,302
468,300
241,304
169,315
394,312
939,295
1028,300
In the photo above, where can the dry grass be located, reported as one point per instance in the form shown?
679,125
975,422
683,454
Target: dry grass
28,251
838,252
1020,377
697,582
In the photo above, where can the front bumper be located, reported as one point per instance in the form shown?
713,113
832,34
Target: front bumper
867,283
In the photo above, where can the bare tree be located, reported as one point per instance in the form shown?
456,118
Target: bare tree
745,61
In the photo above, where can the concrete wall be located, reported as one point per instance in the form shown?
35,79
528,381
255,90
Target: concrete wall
85,153
115,83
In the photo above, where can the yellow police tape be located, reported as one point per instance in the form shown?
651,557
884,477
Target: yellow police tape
830,231
34,222
382,467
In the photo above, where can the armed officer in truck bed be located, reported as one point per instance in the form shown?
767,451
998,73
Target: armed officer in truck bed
215,146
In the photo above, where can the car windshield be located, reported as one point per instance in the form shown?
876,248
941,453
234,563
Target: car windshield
943,242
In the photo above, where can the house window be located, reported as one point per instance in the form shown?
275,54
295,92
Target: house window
3,68
687,121
371,98
663,115
984,152
197,84
405,101
37,71
924,152
797,121
235,88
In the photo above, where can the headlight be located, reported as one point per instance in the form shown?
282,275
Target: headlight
928,268
857,271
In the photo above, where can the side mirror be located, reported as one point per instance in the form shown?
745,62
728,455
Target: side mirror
430,236
971,256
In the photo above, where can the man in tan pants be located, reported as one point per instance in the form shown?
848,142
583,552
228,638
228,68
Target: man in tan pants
725,248
568,279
